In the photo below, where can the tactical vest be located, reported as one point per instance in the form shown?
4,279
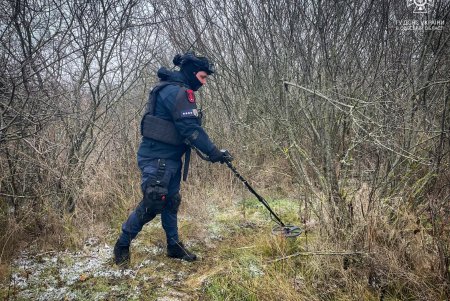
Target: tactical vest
157,128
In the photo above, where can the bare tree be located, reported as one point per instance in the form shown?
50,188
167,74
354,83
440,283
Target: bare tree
68,69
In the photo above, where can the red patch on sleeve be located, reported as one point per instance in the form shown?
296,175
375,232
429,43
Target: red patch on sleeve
190,96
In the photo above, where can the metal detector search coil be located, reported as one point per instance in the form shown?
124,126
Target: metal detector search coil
286,231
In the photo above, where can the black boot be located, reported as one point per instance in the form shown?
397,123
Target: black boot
179,251
121,255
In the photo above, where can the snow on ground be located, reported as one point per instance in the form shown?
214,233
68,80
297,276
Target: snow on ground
60,275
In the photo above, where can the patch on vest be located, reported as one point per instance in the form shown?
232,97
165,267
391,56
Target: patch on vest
190,96
189,113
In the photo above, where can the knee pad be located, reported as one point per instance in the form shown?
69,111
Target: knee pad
155,198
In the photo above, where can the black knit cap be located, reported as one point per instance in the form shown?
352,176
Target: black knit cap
190,64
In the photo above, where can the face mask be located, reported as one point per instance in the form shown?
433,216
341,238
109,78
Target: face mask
195,84
189,72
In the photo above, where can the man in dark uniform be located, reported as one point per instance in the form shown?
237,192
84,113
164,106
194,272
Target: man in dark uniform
170,126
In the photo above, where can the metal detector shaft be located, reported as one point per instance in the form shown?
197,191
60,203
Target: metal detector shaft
260,198
250,188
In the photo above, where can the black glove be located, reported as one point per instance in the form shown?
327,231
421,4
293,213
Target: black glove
221,156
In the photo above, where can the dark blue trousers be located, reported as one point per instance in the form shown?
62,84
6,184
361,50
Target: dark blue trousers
170,179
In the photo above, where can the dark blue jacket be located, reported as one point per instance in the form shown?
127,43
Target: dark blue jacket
183,113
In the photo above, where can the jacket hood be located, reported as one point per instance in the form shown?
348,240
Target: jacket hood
165,74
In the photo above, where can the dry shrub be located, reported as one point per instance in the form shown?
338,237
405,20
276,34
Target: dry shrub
33,230
402,258
111,193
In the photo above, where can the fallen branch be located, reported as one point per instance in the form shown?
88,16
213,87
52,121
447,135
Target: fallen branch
331,253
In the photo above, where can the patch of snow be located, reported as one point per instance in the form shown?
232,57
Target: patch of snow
50,276
255,270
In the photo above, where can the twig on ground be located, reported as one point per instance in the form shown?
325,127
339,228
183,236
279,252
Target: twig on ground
330,253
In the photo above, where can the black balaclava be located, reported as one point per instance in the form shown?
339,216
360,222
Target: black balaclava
189,71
